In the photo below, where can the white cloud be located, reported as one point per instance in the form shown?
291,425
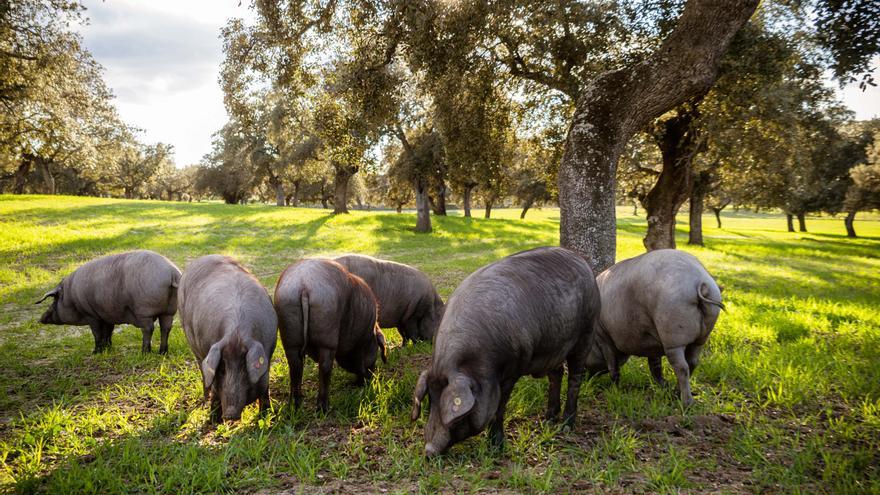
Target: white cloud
162,60
866,104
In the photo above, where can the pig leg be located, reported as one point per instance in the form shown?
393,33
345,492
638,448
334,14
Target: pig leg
496,428
576,371
409,331
692,355
147,326
264,401
107,335
295,363
325,366
656,366
98,333
677,359
165,323
553,392
613,364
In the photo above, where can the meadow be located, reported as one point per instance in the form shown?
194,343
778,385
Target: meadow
788,391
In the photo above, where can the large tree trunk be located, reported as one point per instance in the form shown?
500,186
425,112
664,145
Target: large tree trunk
294,200
19,177
619,103
528,204
44,166
439,204
802,222
848,222
279,191
489,201
679,141
790,220
701,183
324,195
423,209
466,200
340,187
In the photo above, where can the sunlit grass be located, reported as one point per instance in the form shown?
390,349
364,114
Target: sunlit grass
788,390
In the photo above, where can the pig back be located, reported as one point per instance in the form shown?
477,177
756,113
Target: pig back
218,296
323,285
123,287
640,292
403,292
525,313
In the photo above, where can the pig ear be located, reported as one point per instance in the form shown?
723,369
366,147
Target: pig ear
380,339
419,395
457,399
54,293
257,364
209,365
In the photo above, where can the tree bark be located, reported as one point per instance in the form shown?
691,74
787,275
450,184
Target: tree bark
466,200
19,177
790,220
526,206
489,201
619,103
439,205
294,199
802,222
679,141
423,209
324,195
717,212
44,167
701,183
848,222
340,187
279,192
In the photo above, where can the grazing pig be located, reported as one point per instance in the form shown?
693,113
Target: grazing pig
662,303
407,299
231,327
526,314
327,312
137,287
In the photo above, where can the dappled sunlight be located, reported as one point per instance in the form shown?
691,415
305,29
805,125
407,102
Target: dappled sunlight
789,373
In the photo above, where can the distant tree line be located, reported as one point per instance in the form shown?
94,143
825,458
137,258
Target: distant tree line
433,104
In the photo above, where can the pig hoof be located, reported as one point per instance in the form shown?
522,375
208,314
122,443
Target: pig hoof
163,351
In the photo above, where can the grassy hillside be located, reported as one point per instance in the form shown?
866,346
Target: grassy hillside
788,392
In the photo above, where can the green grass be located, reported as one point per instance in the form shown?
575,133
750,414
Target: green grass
788,391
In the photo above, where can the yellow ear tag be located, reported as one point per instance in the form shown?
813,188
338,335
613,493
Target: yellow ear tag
257,365
456,402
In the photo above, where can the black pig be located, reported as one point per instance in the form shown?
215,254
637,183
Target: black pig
328,313
526,314
137,287
231,327
407,299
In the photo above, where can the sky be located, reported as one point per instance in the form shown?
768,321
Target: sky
162,60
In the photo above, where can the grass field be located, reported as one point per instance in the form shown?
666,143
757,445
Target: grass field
788,392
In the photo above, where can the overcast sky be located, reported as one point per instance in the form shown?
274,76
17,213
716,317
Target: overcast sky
162,60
